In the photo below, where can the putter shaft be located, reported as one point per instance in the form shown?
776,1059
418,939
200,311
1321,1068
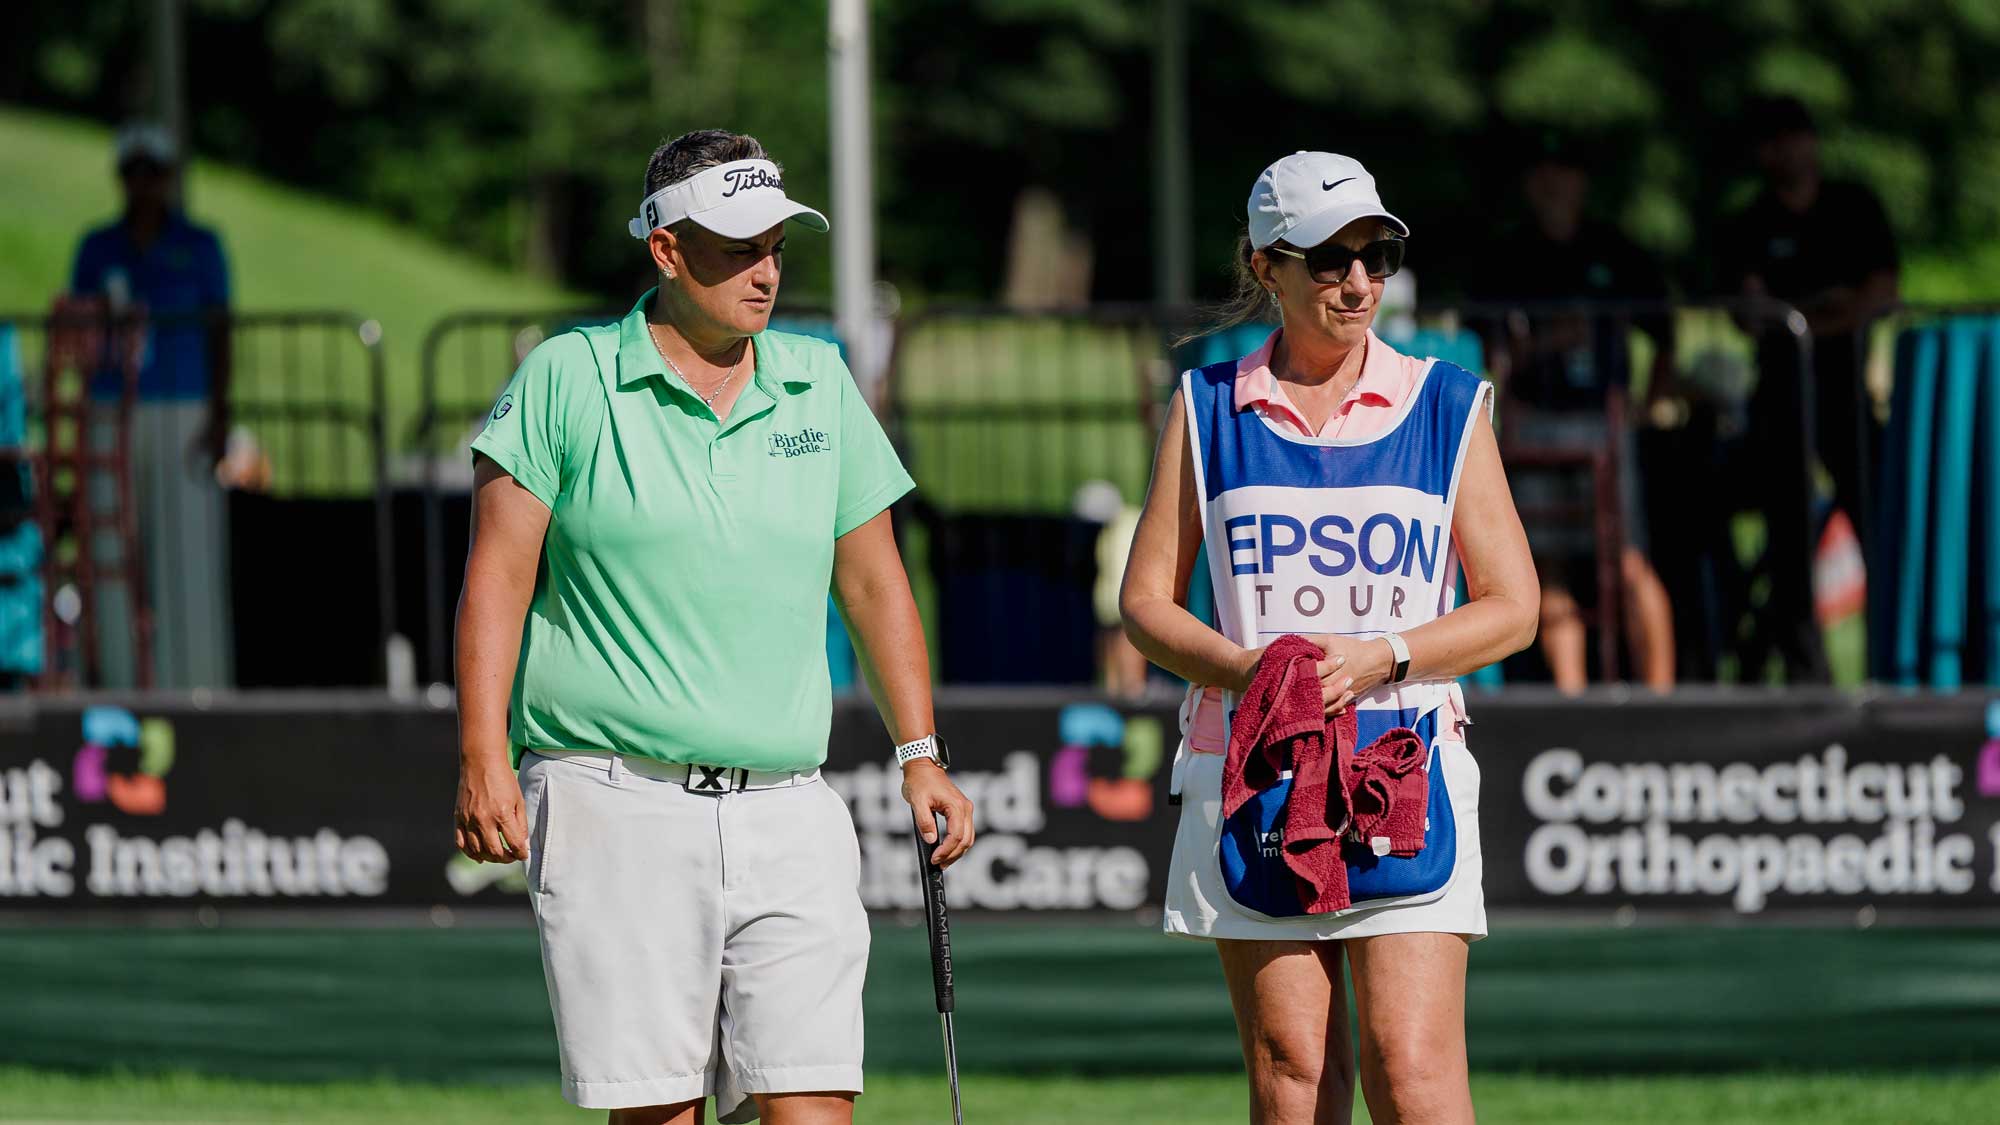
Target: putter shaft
951,1067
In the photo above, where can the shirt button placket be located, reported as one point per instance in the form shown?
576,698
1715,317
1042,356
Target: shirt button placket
718,465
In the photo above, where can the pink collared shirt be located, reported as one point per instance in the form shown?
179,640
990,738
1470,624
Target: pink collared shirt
1388,379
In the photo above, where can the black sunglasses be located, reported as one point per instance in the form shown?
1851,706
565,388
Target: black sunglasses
1329,262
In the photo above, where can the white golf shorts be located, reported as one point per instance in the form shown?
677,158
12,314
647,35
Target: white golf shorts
695,945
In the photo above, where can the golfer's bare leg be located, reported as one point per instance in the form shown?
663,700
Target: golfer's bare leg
1409,1003
1291,1015
805,1109
680,1113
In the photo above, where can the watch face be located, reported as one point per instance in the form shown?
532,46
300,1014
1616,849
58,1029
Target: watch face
944,754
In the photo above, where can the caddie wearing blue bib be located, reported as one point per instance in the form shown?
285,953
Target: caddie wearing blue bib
1339,489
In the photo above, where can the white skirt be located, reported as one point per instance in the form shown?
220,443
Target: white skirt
1199,905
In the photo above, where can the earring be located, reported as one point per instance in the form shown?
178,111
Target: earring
667,275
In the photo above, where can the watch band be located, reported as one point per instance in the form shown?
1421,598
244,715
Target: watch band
929,746
1401,649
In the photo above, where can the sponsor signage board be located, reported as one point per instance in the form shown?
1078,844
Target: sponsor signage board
1754,806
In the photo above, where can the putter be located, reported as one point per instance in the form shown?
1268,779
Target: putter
939,925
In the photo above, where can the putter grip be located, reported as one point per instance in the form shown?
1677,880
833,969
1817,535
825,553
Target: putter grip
936,921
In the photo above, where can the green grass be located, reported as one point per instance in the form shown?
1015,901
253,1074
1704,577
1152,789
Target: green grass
469,1005
1760,1099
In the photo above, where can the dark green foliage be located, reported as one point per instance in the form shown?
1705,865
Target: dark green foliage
520,128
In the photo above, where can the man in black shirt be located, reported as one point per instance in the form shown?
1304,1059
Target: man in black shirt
1557,368
1824,247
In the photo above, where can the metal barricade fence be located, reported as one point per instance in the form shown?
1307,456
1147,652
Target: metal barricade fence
311,389
1005,418
467,358
306,498
1009,420
1010,423
1027,432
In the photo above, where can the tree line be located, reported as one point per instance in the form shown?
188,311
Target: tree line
1011,129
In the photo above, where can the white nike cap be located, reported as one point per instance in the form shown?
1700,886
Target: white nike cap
1308,196
740,199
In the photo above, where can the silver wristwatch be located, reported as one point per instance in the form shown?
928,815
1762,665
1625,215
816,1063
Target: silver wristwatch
929,746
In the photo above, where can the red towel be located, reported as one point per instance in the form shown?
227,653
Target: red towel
1389,790
1282,703
1317,813
1280,724
1383,791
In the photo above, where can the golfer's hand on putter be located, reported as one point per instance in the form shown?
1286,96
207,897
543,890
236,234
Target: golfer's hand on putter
931,794
491,820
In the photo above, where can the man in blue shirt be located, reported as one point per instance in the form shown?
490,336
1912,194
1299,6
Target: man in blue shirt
153,257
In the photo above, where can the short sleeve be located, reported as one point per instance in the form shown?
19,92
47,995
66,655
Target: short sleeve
535,424
872,477
86,274
214,273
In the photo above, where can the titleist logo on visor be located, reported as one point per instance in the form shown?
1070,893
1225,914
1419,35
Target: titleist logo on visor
743,179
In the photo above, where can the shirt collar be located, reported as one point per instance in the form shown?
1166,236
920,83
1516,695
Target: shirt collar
1256,385
639,357
173,228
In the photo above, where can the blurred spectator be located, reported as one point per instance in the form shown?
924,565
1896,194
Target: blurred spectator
1825,247
1121,670
153,259
1557,370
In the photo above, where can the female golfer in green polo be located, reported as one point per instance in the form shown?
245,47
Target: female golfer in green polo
661,506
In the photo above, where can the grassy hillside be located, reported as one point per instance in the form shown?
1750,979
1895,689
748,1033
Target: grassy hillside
288,249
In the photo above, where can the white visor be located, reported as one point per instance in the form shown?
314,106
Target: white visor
741,199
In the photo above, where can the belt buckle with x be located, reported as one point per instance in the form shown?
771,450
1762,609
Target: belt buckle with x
715,779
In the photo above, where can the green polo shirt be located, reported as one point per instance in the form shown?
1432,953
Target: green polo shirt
680,610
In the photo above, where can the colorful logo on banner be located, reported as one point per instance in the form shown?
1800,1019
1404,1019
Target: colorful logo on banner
1987,773
1107,762
112,739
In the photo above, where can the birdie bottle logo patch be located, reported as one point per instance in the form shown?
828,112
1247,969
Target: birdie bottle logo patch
799,444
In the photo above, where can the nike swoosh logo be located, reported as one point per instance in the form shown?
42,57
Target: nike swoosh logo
1324,186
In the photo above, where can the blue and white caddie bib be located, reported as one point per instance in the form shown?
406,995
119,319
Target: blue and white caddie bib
1345,536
